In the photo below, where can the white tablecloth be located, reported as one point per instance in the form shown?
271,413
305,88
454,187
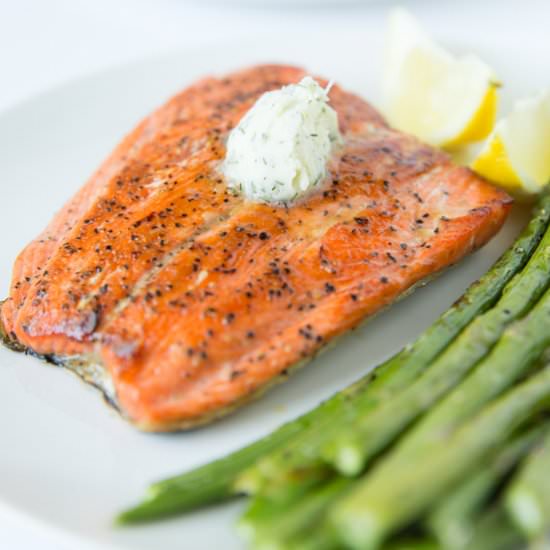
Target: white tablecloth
46,42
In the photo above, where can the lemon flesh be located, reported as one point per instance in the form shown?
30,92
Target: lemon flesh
517,154
494,164
444,100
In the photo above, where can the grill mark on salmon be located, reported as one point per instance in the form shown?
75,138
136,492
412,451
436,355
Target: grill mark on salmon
193,299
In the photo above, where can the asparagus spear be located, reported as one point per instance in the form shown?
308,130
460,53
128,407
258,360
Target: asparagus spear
451,515
372,432
528,498
453,520
215,482
274,525
386,499
299,457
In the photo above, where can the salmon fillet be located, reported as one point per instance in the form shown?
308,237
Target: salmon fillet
182,300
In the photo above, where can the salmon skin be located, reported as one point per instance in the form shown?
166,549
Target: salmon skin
182,300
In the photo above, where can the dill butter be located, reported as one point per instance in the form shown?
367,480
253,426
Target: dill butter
280,148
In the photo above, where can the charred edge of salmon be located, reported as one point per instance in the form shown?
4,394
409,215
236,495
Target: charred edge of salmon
95,374
92,373
9,342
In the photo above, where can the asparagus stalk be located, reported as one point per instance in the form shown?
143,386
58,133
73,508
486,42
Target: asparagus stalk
274,525
299,457
372,432
215,482
386,499
528,498
453,520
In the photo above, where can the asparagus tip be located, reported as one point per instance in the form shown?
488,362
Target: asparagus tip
127,517
347,459
358,530
146,510
248,482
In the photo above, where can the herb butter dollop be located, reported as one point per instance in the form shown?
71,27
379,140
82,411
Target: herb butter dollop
280,148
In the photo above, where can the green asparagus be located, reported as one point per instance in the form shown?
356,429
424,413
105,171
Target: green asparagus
520,346
528,498
270,524
454,519
370,433
386,500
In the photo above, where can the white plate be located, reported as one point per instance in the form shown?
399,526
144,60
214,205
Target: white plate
67,462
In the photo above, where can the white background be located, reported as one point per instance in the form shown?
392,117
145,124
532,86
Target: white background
44,42
47,42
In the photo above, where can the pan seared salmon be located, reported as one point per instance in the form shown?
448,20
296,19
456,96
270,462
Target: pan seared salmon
182,300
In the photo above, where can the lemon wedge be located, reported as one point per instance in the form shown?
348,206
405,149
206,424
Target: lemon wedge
445,100
516,155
